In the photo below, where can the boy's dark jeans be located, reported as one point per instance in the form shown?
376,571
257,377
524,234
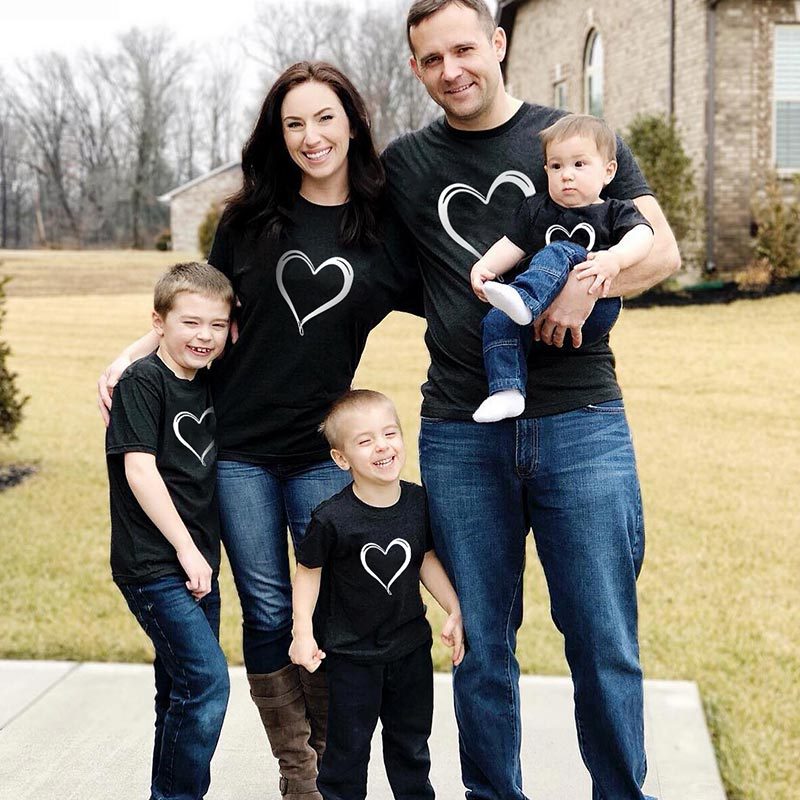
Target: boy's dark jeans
192,684
400,694
505,344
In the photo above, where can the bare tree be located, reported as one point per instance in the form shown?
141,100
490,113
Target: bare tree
220,81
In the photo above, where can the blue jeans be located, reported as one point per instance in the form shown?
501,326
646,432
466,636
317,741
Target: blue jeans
256,504
571,478
192,684
505,343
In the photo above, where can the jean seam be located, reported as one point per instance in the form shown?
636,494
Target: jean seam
501,343
514,708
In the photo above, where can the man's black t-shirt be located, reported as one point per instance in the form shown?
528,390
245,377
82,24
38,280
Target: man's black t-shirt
456,192
539,221
369,605
307,306
156,412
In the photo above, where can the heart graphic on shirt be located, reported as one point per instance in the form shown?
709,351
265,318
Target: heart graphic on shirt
176,426
341,263
581,226
512,176
401,543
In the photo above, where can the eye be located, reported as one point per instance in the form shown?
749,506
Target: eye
363,442
293,125
429,62
579,163
554,165
464,49
326,118
220,325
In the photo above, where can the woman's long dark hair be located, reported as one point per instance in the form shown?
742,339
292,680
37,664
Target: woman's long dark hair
272,180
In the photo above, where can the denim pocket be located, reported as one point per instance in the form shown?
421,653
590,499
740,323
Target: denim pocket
609,407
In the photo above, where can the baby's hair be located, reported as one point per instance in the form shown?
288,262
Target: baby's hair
191,276
581,125
353,400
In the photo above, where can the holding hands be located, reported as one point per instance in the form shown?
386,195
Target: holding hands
305,652
603,266
453,635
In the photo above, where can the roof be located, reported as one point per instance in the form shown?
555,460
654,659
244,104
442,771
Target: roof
166,198
506,16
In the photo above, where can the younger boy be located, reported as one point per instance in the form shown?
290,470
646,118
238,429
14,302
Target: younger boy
360,564
564,228
164,530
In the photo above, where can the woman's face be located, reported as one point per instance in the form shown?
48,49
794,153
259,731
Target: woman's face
317,135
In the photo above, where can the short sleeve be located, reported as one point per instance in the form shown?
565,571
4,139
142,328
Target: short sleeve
135,417
221,255
626,218
521,231
315,547
629,181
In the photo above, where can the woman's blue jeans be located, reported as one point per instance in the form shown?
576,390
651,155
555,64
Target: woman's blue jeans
256,505
572,479
506,344
192,684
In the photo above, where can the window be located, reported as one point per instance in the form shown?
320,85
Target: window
560,94
593,75
786,94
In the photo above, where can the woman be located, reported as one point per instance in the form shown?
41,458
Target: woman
315,264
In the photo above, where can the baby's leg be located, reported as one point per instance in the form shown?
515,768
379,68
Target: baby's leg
506,368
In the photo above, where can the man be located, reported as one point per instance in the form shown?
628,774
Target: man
566,467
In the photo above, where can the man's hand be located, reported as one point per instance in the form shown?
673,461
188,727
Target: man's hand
453,636
305,652
604,266
567,312
106,383
197,570
478,277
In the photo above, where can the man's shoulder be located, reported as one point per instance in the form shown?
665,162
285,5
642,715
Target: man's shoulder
409,142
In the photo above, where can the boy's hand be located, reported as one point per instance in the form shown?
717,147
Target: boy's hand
453,636
478,277
106,383
197,570
305,652
604,265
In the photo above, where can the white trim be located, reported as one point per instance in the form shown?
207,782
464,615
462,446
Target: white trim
166,198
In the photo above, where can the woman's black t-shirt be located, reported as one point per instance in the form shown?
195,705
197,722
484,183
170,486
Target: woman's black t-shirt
307,306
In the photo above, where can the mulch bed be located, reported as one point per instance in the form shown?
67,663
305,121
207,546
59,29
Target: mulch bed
711,292
12,474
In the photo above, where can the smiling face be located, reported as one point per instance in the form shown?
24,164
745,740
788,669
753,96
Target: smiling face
370,445
577,172
317,136
193,332
460,66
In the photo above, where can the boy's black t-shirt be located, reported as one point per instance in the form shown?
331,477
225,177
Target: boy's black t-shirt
456,192
369,606
539,221
307,306
156,412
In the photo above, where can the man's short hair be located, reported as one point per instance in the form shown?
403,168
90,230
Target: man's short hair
353,400
581,125
191,276
422,9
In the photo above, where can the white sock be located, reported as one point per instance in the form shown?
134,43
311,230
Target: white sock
507,299
500,405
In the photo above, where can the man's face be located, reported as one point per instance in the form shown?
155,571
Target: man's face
459,64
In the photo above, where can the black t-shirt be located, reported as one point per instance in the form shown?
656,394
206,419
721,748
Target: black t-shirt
307,306
456,191
539,220
369,605
156,412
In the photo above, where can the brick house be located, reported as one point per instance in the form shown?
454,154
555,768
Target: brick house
189,203
728,70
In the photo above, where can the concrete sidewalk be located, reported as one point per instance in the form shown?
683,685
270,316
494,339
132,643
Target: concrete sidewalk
70,730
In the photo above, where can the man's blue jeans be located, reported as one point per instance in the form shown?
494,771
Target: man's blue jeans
256,504
192,684
572,479
505,343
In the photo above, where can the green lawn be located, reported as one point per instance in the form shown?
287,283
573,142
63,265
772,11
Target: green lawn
713,395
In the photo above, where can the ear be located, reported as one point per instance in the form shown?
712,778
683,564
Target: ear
158,323
611,171
340,459
500,43
412,62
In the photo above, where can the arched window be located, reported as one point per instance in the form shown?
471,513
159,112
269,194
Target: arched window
593,75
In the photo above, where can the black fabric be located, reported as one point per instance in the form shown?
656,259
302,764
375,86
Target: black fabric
369,606
539,220
156,412
291,361
456,191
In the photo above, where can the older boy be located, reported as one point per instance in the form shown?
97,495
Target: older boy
164,530
359,565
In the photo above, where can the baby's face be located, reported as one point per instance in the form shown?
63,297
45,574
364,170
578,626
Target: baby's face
577,172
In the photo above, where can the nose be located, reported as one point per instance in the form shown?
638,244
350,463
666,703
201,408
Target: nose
312,136
204,333
566,175
381,444
451,69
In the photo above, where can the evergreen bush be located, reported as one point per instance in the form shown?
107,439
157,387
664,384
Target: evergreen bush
10,401
778,229
207,229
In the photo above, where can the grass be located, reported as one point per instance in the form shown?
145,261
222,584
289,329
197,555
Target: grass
712,393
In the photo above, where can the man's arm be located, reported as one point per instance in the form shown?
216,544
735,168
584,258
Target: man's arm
572,306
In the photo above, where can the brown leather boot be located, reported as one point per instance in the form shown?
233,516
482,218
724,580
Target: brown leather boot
315,689
280,701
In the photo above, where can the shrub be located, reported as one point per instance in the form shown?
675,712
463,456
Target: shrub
164,240
207,229
778,230
10,401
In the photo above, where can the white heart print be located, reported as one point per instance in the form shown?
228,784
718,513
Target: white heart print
401,543
176,426
341,263
512,176
581,226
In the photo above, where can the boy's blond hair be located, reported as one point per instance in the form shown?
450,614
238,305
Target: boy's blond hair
191,276
355,399
581,125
